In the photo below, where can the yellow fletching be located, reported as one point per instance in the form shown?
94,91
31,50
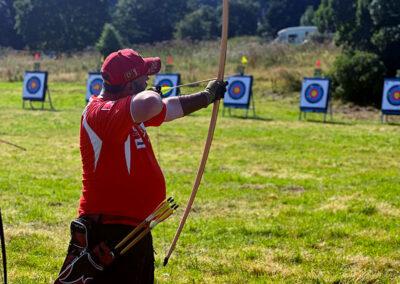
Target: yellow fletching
165,89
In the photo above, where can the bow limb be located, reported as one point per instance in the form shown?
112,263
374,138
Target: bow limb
211,129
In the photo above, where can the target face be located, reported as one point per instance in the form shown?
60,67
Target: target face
33,85
34,88
394,95
314,95
238,92
166,81
94,85
391,96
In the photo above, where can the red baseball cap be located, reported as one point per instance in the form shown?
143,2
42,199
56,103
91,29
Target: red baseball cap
126,65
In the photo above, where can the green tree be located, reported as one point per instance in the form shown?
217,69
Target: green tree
386,37
109,41
198,25
308,17
358,77
148,21
284,13
8,36
60,25
243,17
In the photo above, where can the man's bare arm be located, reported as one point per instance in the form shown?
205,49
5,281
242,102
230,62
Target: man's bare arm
145,105
174,108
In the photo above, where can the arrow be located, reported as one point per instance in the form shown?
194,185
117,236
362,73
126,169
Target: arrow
12,144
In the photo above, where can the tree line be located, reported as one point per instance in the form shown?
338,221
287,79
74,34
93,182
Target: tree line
73,25
368,30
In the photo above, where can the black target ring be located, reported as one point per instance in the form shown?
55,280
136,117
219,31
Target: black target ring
393,95
33,85
95,86
237,90
314,93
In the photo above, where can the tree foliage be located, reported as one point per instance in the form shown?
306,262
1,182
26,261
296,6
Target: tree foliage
243,17
148,21
308,17
369,31
284,13
7,22
69,25
358,77
109,41
198,25
60,25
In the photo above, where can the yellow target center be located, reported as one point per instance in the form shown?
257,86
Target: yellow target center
397,96
236,90
314,93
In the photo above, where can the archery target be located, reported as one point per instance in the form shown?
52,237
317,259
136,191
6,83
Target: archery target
168,80
314,94
94,85
238,91
35,84
391,96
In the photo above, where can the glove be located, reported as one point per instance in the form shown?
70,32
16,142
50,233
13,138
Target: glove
216,90
156,89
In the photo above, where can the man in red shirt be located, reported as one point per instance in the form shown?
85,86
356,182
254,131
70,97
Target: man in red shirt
122,181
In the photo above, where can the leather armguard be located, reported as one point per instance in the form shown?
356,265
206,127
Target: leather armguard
194,102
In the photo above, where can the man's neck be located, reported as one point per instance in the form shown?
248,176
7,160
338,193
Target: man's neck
113,97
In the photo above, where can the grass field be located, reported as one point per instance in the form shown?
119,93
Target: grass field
282,200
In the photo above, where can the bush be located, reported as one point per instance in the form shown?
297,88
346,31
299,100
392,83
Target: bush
285,80
358,78
109,41
198,25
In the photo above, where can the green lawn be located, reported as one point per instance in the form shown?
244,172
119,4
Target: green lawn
281,200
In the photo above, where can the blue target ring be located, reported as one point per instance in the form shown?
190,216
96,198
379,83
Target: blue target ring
237,90
33,85
393,95
95,86
166,83
314,93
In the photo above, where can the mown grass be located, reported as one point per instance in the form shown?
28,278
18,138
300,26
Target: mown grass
282,200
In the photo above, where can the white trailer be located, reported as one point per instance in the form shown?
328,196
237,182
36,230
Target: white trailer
295,35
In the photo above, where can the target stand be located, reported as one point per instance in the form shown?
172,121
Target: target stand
94,85
168,80
35,89
390,98
315,97
239,95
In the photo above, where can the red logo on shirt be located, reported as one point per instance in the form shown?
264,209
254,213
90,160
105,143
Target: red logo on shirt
108,105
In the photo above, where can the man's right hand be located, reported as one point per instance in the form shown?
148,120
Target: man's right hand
216,89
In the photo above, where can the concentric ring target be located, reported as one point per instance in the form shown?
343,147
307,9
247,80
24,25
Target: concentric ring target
166,83
33,85
393,95
314,93
95,86
237,90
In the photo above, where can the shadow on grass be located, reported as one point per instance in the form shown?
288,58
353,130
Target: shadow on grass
329,122
250,117
393,123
